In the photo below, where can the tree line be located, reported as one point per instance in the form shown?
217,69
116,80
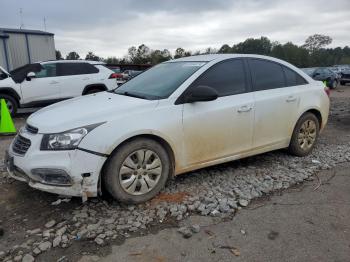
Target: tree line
312,53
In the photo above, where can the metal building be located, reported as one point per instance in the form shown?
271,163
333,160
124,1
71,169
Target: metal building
21,46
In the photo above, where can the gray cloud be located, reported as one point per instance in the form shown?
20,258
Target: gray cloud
109,27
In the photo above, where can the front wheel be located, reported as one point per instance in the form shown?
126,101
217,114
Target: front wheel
305,135
137,171
11,103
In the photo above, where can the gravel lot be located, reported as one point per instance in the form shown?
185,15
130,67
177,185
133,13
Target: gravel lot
42,226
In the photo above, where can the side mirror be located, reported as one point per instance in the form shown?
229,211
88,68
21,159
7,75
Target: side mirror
201,94
30,75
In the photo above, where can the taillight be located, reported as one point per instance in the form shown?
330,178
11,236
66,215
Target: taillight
115,75
327,90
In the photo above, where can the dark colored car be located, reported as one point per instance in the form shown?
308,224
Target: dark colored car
345,77
323,74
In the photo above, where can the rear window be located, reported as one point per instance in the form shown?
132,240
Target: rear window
266,74
293,78
66,69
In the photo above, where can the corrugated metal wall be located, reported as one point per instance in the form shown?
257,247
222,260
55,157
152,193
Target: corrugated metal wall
4,47
18,50
41,47
2,54
26,48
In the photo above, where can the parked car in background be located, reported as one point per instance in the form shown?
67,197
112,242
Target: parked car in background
128,74
178,116
117,74
44,83
345,76
323,74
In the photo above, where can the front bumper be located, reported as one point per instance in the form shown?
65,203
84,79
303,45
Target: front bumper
82,167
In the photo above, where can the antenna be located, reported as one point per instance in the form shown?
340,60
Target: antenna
44,23
21,18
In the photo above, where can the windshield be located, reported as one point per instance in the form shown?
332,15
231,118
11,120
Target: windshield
160,81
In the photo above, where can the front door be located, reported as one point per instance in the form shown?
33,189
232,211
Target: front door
42,89
223,127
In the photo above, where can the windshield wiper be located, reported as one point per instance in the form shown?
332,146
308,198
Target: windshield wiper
132,95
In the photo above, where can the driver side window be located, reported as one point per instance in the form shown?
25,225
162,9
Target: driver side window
47,70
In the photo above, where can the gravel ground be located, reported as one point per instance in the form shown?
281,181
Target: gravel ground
216,191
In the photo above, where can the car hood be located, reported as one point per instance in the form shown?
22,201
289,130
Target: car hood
86,110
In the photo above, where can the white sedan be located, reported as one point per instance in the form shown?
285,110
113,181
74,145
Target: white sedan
178,116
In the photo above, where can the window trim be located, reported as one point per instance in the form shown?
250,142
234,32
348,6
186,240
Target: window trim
275,62
61,65
180,99
42,67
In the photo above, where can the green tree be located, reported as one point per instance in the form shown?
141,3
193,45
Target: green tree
92,57
112,60
316,42
225,49
58,55
72,56
261,46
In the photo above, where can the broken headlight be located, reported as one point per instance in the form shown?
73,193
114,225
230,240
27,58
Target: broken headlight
68,140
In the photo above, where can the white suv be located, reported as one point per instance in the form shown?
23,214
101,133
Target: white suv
178,116
44,83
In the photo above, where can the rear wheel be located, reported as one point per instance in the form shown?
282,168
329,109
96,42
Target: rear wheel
11,103
305,135
334,84
137,171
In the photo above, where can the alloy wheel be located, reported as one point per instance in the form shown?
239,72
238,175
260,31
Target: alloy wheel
140,172
307,134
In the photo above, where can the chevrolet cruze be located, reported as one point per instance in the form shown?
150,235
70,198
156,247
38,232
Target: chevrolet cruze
178,116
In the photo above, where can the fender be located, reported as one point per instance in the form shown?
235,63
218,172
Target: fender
10,91
98,85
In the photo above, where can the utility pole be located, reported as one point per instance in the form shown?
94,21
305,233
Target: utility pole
44,23
21,18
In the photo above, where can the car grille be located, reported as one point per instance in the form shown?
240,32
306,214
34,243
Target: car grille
31,129
20,145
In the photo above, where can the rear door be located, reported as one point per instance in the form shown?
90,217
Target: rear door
277,97
74,77
43,88
223,127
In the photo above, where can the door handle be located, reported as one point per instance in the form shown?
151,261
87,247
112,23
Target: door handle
54,82
244,109
291,99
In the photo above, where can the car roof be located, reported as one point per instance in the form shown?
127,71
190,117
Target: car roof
74,61
212,57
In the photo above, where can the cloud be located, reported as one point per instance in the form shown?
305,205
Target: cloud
109,27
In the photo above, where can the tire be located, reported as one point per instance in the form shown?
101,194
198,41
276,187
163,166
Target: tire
11,102
93,91
127,186
342,83
334,84
303,140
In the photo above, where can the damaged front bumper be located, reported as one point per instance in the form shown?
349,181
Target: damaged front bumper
68,173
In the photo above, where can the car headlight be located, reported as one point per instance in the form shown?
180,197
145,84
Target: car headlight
68,140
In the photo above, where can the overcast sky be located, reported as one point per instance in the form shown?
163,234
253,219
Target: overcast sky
110,27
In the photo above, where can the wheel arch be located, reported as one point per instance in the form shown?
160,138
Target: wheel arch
167,146
99,86
314,111
9,91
